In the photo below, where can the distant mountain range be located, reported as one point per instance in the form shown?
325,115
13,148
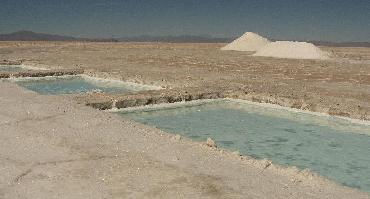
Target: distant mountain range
341,44
176,39
32,36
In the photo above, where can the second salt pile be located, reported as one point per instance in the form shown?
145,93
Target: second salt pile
292,50
248,42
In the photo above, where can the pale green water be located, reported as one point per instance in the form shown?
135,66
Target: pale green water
73,85
333,147
11,68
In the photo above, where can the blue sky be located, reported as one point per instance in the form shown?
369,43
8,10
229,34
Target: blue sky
330,20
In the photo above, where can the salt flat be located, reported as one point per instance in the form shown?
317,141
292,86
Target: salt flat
52,147
337,87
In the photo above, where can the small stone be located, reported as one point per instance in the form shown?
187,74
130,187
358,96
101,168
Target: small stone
177,137
236,153
211,143
266,163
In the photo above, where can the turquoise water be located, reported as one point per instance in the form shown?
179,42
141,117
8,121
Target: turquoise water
73,85
10,68
332,147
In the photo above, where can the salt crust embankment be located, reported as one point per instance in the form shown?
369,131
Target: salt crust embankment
218,98
41,73
248,42
291,49
142,98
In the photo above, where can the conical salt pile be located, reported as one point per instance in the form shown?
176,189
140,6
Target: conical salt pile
292,50
248,42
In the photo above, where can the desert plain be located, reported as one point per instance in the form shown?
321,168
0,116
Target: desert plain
56,147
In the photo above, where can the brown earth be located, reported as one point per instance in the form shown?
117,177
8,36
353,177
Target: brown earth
339,87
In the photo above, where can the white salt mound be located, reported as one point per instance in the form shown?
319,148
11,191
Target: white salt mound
248,42
292,50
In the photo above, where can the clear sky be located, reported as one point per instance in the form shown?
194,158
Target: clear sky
330,20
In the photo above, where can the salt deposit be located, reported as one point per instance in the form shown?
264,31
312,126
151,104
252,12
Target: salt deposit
293,50
248,42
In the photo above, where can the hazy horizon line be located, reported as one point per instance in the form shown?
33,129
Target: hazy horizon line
206,36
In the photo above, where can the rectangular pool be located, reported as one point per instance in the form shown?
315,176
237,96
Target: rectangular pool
75,84
332,147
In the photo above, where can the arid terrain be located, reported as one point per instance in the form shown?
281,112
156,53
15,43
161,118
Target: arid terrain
55,147
340,86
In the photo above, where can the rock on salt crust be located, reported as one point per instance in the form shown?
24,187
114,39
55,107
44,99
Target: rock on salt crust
248,42
293,50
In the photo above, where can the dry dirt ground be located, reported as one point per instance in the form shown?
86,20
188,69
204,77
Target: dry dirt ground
339,87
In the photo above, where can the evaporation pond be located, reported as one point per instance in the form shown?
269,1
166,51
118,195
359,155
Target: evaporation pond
332,147
77,84
11,68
